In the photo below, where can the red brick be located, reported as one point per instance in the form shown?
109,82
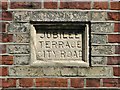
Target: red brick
114,38
115,5
2,48
77,82
117,49
26,82
51,82
0,82
6,60
50,5
25,5
114,16
100,5
7,83
75,5
3,71
7,37
3,28
116,71
111,82
0,37
6,16
113,61
117,27
92,82
4,4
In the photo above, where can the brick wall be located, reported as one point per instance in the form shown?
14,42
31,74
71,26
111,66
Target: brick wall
15,71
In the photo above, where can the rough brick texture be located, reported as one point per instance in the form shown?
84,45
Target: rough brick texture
114,38
117,27
116,71
50,5
115,5
111,82
3,71
92,82
3,28
100,5
26,82
6,60
6,16
114,16
7,37
75,5
25,5
51,82
7,83
4,4
113,60
2,48
117,49
77,82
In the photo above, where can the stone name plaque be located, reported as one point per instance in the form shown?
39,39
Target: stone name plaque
59,44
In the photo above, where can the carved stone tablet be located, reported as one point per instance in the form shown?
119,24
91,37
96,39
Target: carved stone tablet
59,44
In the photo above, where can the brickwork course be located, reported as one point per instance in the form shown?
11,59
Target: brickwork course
15,69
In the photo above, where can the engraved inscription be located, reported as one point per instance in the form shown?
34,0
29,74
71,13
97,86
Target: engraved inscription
54,45
59,44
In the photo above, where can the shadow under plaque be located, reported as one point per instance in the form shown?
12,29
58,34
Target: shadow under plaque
60,44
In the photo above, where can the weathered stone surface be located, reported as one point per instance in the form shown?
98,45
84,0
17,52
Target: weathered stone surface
25,71
34,71
61,48
95,71
102,27
51,71
40,71
99,16
71,47
60,16
103,50
18,27
99,61
18,49
21,60
21,38
21,16
69,71
99,39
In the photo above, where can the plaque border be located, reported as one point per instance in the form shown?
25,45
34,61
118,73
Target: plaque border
34,62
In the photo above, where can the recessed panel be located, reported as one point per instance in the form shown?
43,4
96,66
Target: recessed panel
59,44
